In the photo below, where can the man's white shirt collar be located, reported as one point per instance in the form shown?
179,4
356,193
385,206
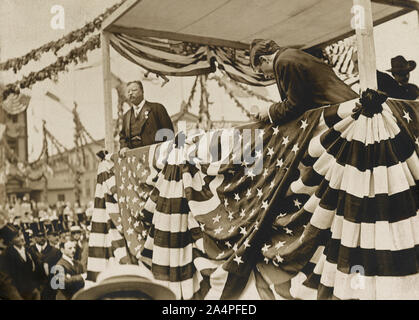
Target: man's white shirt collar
65,257
137,109
40,249
21,252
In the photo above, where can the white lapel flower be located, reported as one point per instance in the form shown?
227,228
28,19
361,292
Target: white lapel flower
146,114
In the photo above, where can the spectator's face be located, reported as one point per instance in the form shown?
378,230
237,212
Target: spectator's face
402,78
19,240
135,94
76,236
69,249
53,239
40,240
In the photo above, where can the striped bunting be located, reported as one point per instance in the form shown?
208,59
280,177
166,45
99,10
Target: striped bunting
177,58
327,195
360,178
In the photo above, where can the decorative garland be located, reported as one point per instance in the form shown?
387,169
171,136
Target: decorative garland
255,94
75,36
204,116
221,84
75,56
192,94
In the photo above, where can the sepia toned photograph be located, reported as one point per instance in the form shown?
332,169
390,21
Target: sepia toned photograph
229,151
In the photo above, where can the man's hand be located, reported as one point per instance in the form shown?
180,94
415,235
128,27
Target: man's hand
263,114
123,152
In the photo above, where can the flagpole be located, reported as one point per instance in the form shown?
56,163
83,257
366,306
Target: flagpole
365,40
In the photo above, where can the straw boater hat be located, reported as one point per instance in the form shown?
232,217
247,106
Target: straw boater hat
121,279
400,65
75,228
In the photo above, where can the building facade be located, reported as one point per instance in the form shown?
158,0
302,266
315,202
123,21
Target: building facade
61,184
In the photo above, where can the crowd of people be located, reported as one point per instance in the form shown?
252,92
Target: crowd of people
43,251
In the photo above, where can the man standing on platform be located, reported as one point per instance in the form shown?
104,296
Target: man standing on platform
304,81
142,122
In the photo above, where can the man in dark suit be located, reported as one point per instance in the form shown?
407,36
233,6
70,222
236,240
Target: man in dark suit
304,82
50,257
82,245
73,272
143,121
18,266
37,251
398,86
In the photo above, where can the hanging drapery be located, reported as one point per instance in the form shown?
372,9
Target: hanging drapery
178,58
337,195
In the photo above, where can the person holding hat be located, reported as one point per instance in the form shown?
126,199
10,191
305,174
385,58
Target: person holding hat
18,264
304,81
125,282
74,276
398,86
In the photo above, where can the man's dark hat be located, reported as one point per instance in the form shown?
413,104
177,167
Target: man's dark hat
8,232
37,228
27,234
63,226
400,65
52,228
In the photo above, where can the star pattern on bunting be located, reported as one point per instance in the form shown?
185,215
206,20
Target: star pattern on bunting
406,116
131,174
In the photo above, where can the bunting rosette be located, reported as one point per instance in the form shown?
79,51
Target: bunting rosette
323,207
15,103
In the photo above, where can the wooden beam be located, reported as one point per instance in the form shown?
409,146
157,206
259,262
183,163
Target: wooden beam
362,22
140,32
408,4
107,91
118,13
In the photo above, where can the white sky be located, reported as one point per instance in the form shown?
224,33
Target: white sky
25,25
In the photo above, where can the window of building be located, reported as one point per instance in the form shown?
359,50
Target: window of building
61,197
13,145
13,118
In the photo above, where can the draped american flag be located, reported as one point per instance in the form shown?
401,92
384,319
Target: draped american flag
335,189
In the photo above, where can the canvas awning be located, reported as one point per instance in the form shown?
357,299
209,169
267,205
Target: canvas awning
234,23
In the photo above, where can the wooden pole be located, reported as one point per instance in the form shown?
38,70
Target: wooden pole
107,91
363,23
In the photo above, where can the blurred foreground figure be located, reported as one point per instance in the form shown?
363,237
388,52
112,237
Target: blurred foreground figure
125,282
